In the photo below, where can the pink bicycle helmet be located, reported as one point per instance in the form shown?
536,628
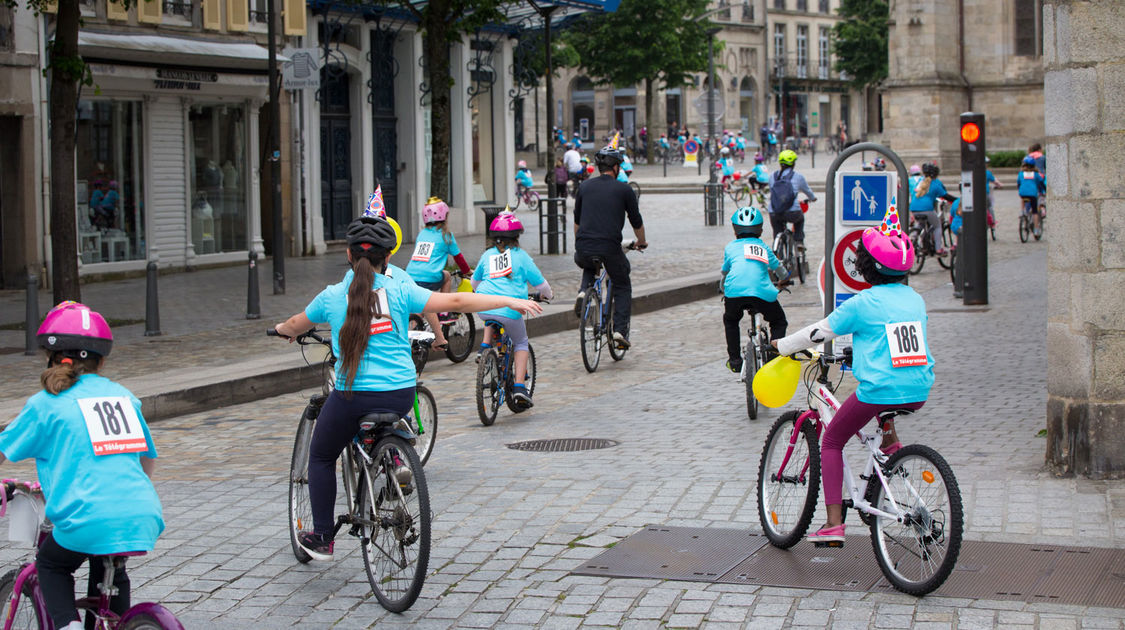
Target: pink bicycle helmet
521,164
74,326
434,211
893,253
915,169
506,225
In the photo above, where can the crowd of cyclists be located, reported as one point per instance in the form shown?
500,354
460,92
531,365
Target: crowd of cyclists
368,312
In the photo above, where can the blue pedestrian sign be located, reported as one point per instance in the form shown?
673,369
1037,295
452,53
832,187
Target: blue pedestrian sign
865,196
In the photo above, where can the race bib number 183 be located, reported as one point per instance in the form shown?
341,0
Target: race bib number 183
113,425
422,251
500,265
907,342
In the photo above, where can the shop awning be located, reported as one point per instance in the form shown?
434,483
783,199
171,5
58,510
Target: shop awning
519,14
173,51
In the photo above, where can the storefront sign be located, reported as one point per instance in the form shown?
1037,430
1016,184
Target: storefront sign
302,71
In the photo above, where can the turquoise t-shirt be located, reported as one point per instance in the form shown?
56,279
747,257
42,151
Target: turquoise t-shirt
955,210
99,504
622,176
386,364
989,179
925,203
747,262
430,253
725,164
891,355
761,173
506,274
523,178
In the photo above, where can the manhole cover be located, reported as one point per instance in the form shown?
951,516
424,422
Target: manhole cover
563,445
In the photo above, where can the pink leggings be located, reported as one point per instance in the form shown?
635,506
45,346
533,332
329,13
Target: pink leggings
851,417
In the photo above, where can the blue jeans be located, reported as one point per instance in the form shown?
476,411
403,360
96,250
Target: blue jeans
617,266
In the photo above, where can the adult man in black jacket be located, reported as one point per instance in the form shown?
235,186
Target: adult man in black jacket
600,209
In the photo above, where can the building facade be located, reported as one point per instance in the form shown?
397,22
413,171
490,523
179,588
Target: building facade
952,56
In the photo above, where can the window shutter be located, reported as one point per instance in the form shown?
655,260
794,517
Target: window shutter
238,15
212,15
116,11
149,11
295,17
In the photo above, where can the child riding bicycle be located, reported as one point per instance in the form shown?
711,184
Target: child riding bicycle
1032,187
892,361
747,285
524,180
507,270
432,247
94,455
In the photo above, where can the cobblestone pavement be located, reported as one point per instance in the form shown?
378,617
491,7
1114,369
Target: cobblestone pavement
509,525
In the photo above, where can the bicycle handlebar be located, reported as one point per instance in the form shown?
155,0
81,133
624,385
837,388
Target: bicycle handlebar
305,339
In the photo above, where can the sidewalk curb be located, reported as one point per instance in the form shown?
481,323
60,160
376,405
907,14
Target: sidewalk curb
288,376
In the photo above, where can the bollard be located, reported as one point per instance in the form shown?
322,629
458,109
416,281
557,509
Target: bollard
666,162
152,306
253,309
32,314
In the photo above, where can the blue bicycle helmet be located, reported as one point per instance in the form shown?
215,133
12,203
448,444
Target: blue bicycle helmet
1028,161
747,220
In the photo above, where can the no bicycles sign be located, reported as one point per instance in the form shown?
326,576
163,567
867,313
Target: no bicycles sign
843,264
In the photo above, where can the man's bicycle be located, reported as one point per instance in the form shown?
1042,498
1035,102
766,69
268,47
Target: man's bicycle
791,256
911,501
496,374
20,595
596,315
527,196
387,499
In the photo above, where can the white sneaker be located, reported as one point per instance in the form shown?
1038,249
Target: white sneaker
578,304
621,341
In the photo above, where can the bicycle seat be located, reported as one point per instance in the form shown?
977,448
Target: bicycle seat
369,421
895,412
597,262
495,324
420,335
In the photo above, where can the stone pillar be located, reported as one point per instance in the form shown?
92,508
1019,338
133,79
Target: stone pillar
924,90
1084,57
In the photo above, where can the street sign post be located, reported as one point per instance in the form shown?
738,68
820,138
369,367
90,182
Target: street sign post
973,245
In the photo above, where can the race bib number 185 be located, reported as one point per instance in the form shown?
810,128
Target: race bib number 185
500,265
907,342
113,425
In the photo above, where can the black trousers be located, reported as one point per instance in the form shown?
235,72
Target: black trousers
617,266
732,315
56,565
796,217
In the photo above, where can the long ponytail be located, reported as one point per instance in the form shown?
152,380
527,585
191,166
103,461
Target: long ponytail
362,306
923,187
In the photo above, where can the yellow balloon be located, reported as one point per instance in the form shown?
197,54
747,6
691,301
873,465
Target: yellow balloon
776,382
398,234
465,286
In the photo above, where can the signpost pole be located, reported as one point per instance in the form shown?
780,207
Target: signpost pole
973,247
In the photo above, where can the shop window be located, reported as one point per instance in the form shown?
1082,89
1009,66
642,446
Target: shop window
259,14
109,186
217,162
177,10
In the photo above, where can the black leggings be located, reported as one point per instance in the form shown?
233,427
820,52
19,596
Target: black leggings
337,424
732,314
56,565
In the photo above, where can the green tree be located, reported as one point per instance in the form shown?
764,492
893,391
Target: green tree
645,41
859,41
66,70
444,22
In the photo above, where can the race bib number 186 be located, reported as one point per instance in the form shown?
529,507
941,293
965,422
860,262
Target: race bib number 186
113,425
500,265
907,342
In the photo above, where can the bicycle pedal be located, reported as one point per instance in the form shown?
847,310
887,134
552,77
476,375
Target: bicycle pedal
834,544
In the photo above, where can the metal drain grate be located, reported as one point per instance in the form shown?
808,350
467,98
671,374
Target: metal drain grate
563,445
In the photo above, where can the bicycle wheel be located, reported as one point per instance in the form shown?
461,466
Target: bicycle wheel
636,188
781,250
488,387
946,262
787,497
589,331
529,382
614,351
918,554
300,509
158,618
1037,232
395,522
460,336
428,418
26,615
749,369
919,252
533,200
952,265
1025,228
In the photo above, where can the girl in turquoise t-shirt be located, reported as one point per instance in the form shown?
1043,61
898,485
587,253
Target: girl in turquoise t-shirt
433,246
891,357
508,270
368,313
94,455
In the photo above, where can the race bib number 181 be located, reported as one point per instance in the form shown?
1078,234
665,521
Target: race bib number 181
113,425
907,342
500,265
